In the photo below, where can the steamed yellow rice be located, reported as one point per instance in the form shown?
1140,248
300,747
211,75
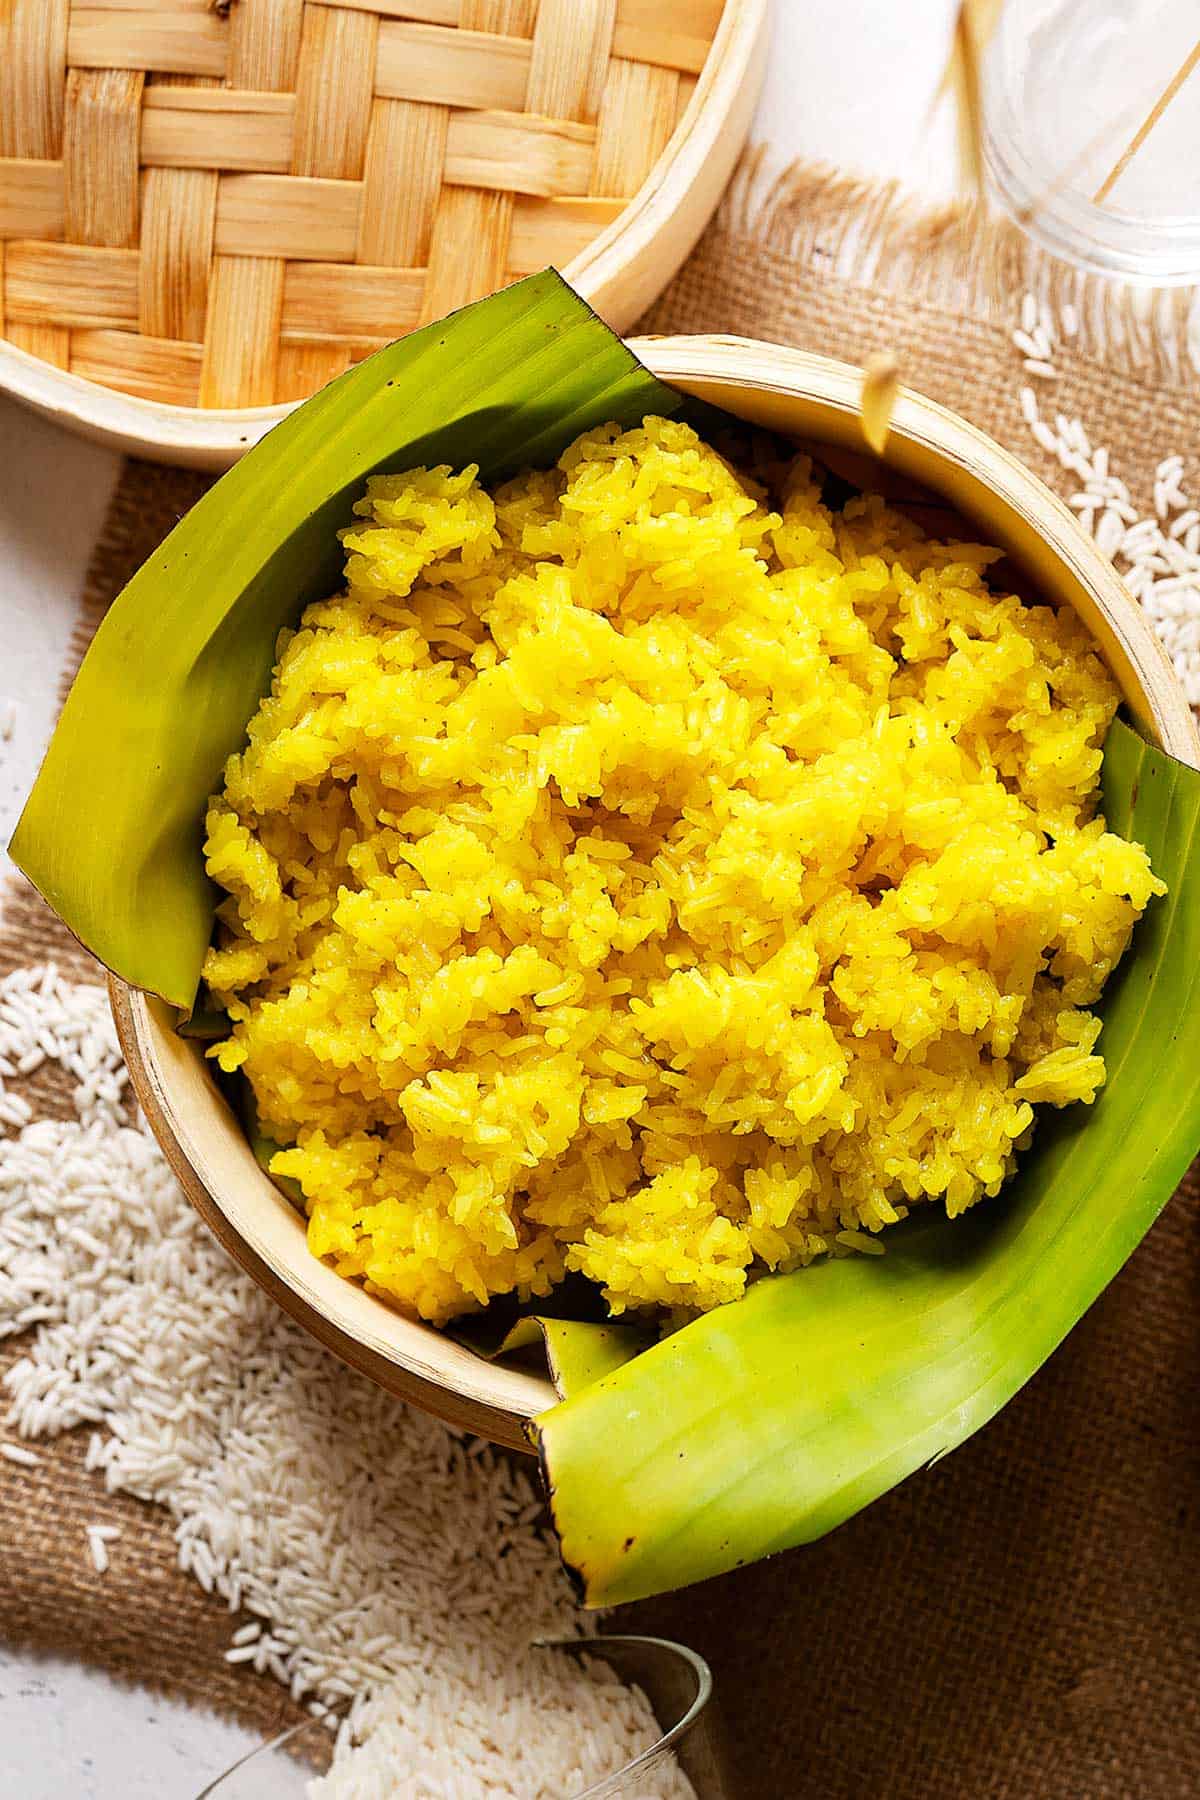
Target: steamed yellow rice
645,871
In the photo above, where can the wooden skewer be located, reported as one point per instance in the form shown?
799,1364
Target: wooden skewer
1145,128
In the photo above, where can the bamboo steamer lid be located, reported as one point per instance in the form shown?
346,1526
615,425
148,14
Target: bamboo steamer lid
209,208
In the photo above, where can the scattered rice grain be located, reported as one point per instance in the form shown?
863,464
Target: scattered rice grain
21,1455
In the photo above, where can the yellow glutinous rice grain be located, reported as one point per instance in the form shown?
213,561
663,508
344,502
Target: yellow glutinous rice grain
648,873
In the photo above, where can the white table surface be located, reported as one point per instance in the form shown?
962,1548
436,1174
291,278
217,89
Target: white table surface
851,82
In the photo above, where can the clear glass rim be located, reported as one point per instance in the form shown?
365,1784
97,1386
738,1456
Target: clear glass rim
622,1782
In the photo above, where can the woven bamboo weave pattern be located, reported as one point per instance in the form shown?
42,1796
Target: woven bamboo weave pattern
226,202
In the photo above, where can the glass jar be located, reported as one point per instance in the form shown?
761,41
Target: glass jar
1069,87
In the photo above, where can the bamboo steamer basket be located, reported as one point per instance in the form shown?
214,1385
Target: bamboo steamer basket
210,208
790,392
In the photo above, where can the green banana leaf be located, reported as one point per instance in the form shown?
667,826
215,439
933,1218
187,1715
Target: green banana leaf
578,1354
240,1095
205,1024
571,1326
112,832
766,1423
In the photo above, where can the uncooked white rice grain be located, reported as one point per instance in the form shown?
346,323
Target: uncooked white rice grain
1109,532
21,1455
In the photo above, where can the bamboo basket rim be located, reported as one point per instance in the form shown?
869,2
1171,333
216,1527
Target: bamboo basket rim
619,273
415,1361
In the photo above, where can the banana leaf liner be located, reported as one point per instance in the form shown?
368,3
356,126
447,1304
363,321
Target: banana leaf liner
765,1423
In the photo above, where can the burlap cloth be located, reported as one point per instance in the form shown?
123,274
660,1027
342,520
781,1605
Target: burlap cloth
1022,1620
